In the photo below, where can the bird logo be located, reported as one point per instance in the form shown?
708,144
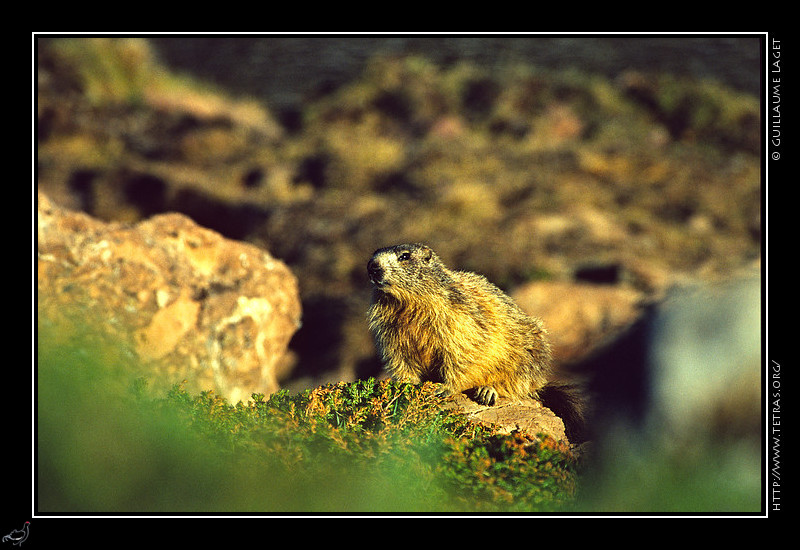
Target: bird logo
17,536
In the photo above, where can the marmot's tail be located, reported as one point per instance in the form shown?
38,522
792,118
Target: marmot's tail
569,402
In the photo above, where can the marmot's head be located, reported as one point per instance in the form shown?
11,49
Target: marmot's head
405,269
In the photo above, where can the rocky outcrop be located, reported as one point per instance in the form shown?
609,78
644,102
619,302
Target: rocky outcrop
182,300
528,416
579,316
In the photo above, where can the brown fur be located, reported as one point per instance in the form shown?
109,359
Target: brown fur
454,327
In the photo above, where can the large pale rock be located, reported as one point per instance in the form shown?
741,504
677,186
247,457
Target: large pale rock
579,316
185,302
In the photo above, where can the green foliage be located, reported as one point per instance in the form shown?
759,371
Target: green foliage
376,427
513,470
366,446
106,443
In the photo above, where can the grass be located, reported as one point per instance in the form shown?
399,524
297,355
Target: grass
107,443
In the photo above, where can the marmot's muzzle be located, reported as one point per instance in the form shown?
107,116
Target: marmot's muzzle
375,272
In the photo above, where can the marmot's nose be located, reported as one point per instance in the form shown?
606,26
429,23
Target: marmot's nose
375,271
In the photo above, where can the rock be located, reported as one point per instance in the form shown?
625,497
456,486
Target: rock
688,366
705,361
527,416
678,404
184,302
578,316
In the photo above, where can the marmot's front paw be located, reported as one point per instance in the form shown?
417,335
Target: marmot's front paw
485,395
444,392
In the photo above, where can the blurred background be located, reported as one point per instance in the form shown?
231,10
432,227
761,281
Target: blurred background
286,71
625,160
586,176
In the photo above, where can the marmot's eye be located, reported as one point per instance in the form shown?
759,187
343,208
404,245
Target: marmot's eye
404,256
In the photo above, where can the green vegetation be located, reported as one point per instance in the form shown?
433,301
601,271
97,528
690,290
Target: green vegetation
367,446
107,443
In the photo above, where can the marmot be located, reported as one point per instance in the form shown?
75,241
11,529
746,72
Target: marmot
431,323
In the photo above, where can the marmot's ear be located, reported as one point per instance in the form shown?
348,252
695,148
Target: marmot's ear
427,253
